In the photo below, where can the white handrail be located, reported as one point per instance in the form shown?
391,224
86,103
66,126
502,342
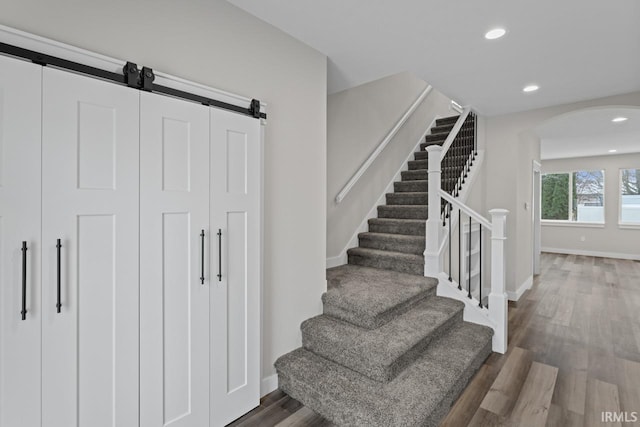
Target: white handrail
466,209
372,157
454,132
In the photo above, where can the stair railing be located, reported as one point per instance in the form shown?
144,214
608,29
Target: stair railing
445,212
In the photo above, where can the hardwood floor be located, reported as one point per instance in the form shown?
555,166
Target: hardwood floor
574,352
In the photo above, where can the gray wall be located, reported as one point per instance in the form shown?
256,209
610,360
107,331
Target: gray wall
512,145
217,44
609,239
358,119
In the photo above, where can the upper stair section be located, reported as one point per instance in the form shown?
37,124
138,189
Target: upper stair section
396,238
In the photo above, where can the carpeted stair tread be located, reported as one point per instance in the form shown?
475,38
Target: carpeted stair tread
421,395
411,227
408,198
403,211
451,120
369,297
392,242
387,260
382,353
418,185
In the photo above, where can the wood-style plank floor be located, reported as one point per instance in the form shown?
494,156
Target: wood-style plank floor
574,352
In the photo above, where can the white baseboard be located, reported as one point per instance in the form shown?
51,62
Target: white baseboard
515,296
337,260
373,212
617,255
268,384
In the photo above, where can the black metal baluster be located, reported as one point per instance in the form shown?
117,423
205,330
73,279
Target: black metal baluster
460,249
469,259
475,134
219,255
24,281
58,276
480,261
450,215
202,257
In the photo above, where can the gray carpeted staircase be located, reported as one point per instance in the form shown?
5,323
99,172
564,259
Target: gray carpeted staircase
387,351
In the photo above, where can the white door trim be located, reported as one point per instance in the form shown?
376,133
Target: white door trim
536,201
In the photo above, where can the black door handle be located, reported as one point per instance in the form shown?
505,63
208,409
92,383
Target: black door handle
24,281
202,257
58,246
219,255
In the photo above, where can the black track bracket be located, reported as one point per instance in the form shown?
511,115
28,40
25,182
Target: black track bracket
254,109
146,79
131,75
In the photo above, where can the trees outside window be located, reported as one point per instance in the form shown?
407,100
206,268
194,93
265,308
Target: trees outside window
573,196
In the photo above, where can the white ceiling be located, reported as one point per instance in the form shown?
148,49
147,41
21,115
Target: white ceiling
590,133
573,49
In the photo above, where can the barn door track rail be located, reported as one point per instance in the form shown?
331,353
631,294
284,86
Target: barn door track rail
131,76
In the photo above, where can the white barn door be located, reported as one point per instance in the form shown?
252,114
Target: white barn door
90,165
174,272
235,299
20,97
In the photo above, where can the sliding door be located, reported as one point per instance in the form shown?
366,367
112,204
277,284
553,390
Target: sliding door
174,262
20,96
235,299
90,165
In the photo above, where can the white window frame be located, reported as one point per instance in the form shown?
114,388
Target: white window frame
631,225
569,222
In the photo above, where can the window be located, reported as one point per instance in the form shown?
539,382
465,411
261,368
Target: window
573,196
630,196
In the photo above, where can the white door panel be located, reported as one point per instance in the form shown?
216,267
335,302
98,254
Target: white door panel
174,208
20,180
90,155
235,207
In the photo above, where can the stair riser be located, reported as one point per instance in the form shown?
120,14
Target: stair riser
387,264
389,244
410,186
383,374
407,199
417,212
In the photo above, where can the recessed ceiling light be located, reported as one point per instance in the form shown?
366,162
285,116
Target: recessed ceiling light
496,33
619,119
531,88
613,151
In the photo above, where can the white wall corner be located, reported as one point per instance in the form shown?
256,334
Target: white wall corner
268,384
515,296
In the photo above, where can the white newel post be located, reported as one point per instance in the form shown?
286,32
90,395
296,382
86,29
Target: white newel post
498,308
432,261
